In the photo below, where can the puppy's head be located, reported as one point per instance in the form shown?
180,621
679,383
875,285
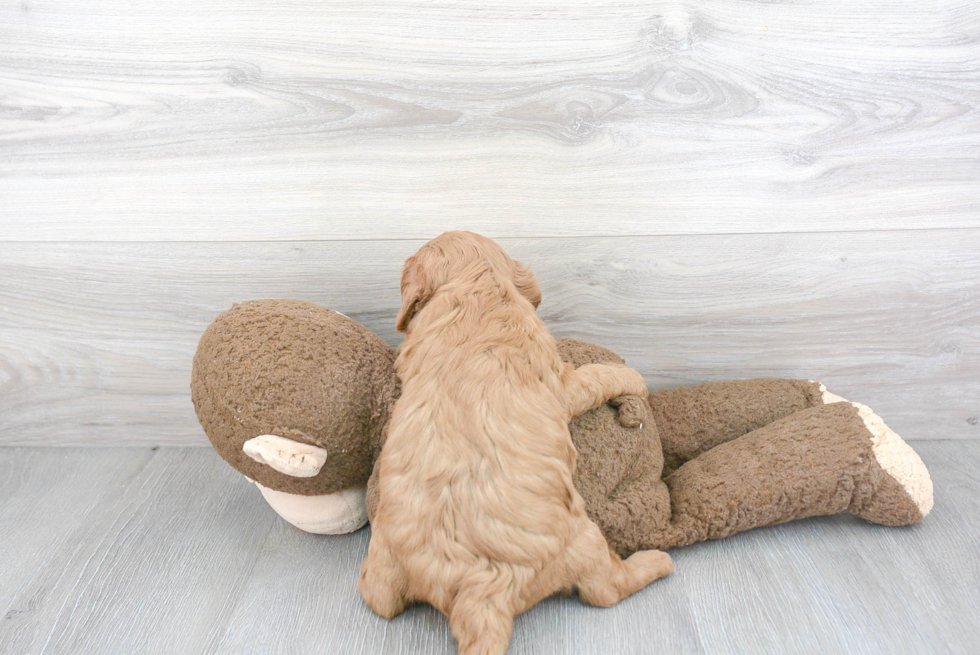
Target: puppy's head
458,256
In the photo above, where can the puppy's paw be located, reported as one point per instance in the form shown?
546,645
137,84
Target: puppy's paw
635,384
632,410
651,564
380,595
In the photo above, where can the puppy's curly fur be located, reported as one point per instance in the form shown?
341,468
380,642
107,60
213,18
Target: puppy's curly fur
477,513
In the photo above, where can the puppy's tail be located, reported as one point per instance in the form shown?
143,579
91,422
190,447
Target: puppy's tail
482,623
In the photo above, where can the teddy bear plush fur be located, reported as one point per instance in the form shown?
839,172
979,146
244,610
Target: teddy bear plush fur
296,397
738,455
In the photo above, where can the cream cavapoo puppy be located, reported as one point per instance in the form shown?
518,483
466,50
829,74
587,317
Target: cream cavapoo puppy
477,514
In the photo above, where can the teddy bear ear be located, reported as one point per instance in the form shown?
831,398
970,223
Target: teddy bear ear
299,460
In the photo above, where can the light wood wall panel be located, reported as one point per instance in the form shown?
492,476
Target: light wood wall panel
246,120
714,189
96,339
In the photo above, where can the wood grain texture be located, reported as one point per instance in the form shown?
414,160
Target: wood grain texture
868,589
171,551
244,120
96,340
123,551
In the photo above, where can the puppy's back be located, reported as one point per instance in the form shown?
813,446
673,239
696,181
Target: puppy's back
478,464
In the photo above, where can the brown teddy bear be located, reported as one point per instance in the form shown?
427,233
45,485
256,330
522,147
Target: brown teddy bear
296,397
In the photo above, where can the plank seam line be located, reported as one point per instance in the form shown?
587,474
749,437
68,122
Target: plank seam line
498,238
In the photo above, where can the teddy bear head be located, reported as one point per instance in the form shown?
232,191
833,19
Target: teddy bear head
294,395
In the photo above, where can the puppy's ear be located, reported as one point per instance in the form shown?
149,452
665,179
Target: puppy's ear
527,284
416,291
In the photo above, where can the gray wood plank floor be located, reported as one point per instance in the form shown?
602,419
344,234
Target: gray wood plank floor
170,551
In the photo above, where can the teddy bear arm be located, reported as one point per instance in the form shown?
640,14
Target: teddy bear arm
693,420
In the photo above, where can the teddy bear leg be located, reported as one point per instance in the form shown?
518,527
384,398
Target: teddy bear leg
831,458
900,463
635,515
693,420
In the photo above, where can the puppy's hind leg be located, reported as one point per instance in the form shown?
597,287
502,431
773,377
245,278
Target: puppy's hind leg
605,579
383,585
481,622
